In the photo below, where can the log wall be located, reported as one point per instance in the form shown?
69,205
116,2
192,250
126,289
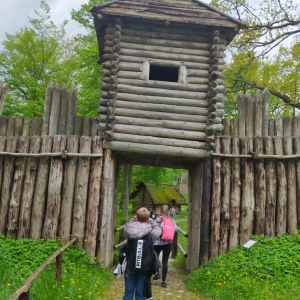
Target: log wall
135,112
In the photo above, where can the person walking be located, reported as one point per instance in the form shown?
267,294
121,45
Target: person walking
164,245
172,212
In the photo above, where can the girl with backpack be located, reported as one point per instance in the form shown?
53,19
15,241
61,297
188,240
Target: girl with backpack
164,244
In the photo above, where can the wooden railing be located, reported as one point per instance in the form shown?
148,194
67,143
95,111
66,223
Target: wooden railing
23,292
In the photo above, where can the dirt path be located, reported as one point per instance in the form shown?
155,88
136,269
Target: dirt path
174,290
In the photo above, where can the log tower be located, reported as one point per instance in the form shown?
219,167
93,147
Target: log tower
162,90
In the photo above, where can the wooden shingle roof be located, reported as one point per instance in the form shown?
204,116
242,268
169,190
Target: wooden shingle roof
182,11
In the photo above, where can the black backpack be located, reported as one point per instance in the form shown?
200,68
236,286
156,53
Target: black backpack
139,254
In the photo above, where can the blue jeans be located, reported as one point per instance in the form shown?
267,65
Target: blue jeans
134,282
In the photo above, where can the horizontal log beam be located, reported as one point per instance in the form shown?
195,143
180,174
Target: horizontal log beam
122,88
155,149
63,155
128,74
158,141
165,85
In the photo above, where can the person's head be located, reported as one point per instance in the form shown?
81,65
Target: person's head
142,214
165,210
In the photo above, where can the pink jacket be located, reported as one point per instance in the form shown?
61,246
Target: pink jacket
135,229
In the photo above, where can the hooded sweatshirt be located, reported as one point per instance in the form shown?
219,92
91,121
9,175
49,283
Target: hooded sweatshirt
136,230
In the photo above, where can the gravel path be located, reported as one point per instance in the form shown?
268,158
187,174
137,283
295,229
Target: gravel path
174,291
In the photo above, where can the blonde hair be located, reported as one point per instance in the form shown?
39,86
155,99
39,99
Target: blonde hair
165,210
142,214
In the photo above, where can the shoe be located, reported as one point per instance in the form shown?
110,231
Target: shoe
156,276
150,298
164,284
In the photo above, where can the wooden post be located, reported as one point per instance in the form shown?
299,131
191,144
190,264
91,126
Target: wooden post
225,195
72,102
234,130
87,126
26,127
296,141
3,95
19,126
195,202
235,199
94,127
81,190
125,191
55,110
258,111
247,196
249,115
292,225
63,111
260,188
36,126
58,266
278,129
3,125
8,172
54,190
17,187
266,95
241,114
65,223
40,191
2,149
10,129
271,127
93,199
205,210
226,124
287,126
270,188
47,109
281,216
78,126
28,190
107,188
215,204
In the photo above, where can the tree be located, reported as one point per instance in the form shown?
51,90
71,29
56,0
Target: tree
268,26
32,58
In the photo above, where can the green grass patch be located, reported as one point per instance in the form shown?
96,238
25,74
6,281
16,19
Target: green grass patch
181,221
274,272
81,277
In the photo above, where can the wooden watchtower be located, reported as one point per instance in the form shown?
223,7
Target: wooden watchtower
162,88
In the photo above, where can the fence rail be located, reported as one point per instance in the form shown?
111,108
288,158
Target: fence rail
23,292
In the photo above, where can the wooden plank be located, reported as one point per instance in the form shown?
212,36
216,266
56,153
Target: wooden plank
28,189
17,188
87,126
107,187
10,129
258,111
270,188
247,192
266,95
81,190
296,142
296,126
94,127
54,191
235,198
47,109
3,95
18,126
93,199
9,162
241,114
40,191
3,125
226,124
259,187
234,129
225,195
78,126
215,203
281,207
36,126
63,111
26,127
271,127
65,223
72,102
292,225
55,110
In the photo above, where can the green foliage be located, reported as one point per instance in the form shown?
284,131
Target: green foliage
81,276
30,59
274,272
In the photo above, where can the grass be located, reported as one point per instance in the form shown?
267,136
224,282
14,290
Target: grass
274,272
81,278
